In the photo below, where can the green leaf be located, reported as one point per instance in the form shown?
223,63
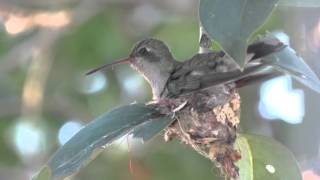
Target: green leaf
231,22
44,174
151,128
265,159
287,61
89,141
246,163
300,3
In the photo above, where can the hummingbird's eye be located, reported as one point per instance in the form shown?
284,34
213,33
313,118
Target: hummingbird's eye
143,51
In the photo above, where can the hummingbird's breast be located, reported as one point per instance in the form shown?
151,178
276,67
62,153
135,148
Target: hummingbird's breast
155,76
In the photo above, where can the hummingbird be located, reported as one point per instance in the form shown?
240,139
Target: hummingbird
202,93
171,78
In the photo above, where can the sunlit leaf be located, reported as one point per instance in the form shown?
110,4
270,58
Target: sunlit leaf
231,22
246,163
300,3
88,142
265,159
151,128
44,174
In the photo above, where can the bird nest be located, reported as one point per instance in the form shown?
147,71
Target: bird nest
208,122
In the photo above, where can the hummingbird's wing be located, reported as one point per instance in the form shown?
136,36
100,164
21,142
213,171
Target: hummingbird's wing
265,74
190,83
203,64
188,75
205,70
208,69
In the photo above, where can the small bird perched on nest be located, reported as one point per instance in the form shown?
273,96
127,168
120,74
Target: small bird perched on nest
203,94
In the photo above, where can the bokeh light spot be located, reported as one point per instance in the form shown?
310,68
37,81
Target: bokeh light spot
28,138
282,36
68,130
270,168
279,101
94,83
310,175
133,85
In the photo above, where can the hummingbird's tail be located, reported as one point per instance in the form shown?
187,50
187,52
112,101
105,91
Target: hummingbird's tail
269,58
258,50
278,59
264,48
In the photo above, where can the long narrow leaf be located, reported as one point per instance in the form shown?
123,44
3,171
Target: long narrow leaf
87,143
151,128
288,61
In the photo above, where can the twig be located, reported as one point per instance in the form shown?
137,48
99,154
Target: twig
205,42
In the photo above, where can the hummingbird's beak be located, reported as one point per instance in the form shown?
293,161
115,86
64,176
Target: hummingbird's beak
122,61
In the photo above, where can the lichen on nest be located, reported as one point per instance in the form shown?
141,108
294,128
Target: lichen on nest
208,123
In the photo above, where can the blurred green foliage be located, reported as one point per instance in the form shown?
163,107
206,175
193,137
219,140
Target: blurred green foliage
104,38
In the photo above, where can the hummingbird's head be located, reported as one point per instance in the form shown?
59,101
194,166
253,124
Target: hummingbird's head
147,56
151,49
153,59
151,55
